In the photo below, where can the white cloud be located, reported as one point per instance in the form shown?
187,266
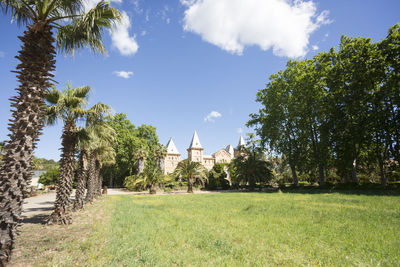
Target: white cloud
143,33
88,4
315,47
123,74
281,25
212,116
125,44
168,20
2,54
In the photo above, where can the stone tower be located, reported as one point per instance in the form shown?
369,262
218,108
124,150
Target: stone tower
173,157
195,150
241,143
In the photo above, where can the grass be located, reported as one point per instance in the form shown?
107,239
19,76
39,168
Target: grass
222,229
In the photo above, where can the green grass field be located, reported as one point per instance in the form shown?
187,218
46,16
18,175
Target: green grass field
224,229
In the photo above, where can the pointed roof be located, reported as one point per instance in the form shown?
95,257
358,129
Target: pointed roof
241,141
171,148
230,150
195,141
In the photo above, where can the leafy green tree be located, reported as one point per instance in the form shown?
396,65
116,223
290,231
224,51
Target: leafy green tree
192,171
50,177
74,29
130,140
218,176
69,107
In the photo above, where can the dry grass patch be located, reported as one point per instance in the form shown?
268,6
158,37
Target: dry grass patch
78,244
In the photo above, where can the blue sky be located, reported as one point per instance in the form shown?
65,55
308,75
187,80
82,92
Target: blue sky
196,65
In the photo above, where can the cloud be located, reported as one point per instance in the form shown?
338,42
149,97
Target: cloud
239,130
143,33
123,74
121,40
2,54
281,25
315,47
212,116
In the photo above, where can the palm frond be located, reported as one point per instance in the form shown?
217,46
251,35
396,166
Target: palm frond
82,92
21,11
86,30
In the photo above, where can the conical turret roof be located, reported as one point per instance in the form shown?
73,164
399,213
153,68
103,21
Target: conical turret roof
230,150
195,141
241,141
171,148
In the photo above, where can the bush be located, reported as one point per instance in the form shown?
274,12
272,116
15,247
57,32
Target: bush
50,177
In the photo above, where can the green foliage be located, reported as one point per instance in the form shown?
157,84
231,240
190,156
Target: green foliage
50,177
217,178
130,140
336,116
43,164
192,172
251,166
151,176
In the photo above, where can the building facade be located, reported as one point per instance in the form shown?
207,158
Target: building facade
196,154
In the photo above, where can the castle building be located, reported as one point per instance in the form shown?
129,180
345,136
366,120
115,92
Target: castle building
196,154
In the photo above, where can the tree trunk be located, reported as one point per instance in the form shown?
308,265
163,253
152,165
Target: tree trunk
82,177
99,179
153,189
34,74
91,178
190,185
61,214
354,171
294,175
321,171
382,171
140,164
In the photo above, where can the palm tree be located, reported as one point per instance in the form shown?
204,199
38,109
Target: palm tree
101,153
75,29
160,152
68,106
95,128
191,170
83,147
140,155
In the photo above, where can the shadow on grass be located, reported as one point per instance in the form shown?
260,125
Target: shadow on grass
349,189
36,219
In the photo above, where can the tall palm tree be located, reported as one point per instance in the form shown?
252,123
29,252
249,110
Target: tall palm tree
95,128
191,171
83,148
101,153
74,29
69,107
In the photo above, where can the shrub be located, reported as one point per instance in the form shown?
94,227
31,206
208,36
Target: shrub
50,177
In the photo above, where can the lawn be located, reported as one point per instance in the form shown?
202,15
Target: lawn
222,229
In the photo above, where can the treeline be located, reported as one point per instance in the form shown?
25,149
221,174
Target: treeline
337,115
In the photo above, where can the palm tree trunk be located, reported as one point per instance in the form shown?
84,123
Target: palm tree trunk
99,179
34,75
82,177
61,214
190,185
153,189
91,177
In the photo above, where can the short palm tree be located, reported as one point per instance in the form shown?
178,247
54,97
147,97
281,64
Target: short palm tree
140,155
160,152
191,171
74,29
69,107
